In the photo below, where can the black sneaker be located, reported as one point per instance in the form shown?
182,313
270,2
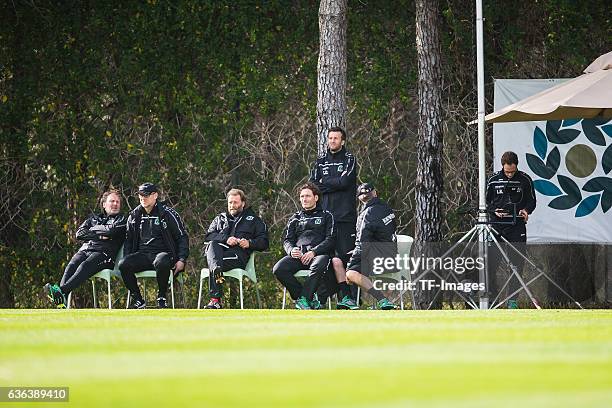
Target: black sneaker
214,304
161,303
138,304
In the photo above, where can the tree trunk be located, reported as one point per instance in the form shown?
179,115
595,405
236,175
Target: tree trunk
429,182
13,147
331,89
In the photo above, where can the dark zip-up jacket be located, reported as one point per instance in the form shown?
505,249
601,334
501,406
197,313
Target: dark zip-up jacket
376,223
502,192
335,174
173,232
310,230
102,233
245,225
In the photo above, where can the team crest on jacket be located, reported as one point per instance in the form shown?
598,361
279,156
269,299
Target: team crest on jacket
340,168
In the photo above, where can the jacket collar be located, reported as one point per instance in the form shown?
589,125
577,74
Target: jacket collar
339,153
373,201
245,211
311,211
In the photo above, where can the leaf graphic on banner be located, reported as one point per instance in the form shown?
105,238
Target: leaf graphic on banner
598,184
606,201
569,186
563,203
540,143
599,121
606,160
546,187
572,197
553,160
607,129
588,205
552,128
538,167
570,122
592,132
557,136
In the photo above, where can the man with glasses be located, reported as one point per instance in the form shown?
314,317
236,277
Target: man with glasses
375,227
156,239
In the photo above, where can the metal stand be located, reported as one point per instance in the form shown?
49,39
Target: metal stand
484,233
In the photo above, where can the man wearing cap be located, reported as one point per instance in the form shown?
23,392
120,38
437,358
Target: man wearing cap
102,235
335,175
156,239
232,237
376,224
308,242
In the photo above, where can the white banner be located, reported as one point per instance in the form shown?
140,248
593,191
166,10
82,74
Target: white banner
570,163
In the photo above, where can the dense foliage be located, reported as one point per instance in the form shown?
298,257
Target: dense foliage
201,96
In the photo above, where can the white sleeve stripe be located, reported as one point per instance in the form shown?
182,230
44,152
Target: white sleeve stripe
350,169
333,222
178,224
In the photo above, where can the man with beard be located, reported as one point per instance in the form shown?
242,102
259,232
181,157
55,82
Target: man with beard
232,237
335,175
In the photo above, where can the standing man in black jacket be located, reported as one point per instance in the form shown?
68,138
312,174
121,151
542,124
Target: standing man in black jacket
376,224
335,175
510,201
156,239
232,237
309,244
103,235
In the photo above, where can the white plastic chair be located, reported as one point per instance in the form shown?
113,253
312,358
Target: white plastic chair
236,273
151,274
404,244
105,274
302,274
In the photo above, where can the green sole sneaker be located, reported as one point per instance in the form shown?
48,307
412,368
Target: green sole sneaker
347,304
55,295
385,304
302,304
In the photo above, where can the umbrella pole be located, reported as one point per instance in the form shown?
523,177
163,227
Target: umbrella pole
482,206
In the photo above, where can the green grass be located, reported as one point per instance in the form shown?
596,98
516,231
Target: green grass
251,358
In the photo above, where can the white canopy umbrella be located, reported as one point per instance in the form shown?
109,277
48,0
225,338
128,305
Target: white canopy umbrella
587,96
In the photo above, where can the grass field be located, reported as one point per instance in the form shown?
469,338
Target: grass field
251,358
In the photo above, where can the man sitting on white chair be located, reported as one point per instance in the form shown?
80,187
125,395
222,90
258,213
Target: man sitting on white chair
308,242
232,237
156,239
375,224
103,235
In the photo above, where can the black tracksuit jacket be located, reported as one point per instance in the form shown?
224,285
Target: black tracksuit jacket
245,225
376,223
310,230
173,232
502,192
97,226
335,174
